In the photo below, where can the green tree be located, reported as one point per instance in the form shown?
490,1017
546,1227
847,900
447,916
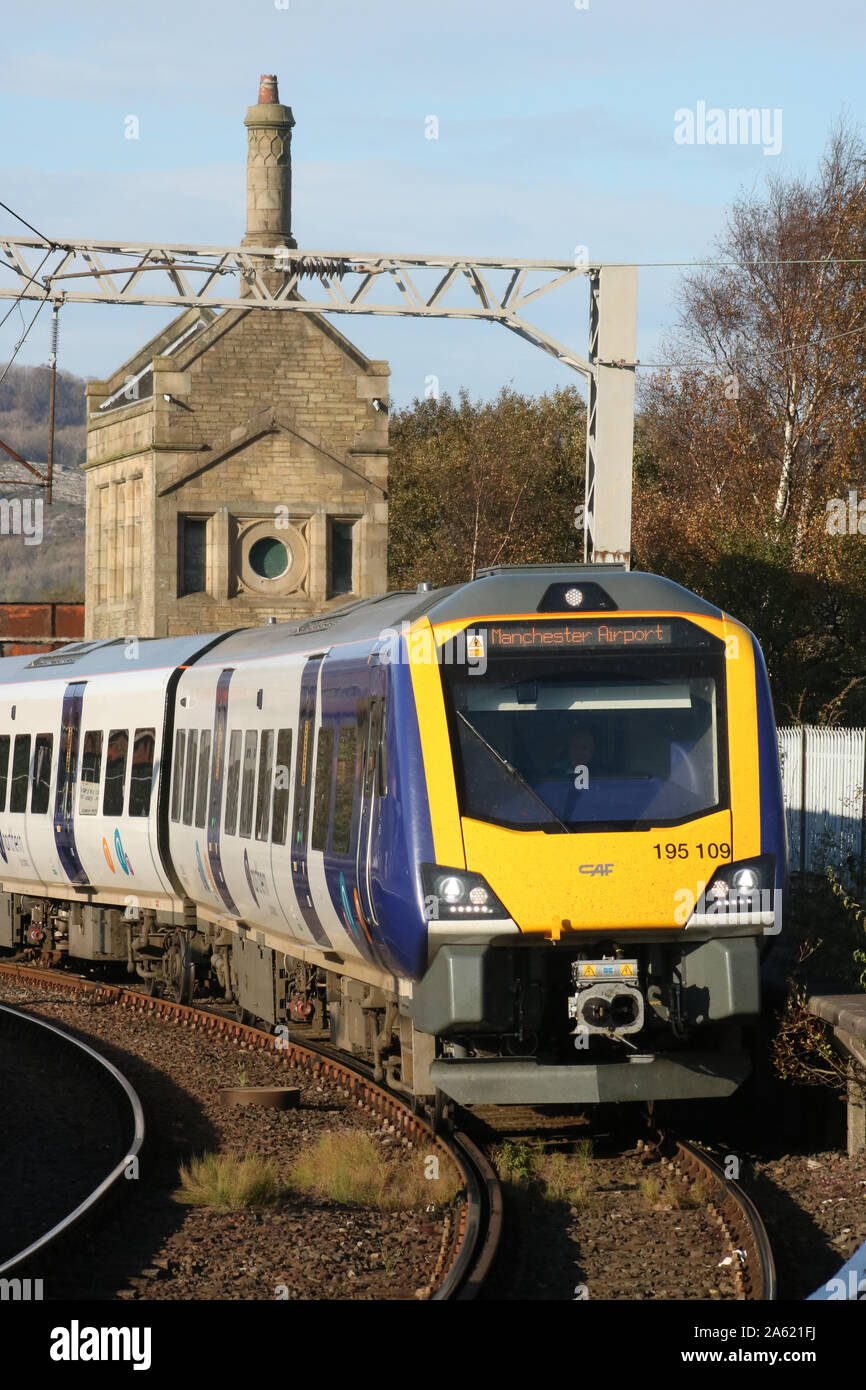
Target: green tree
483,483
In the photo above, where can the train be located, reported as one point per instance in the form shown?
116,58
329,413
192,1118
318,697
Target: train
517,840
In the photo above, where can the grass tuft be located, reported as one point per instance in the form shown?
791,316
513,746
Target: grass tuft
555,1177
229,1182
351,1168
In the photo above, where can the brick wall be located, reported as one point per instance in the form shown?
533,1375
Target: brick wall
38,627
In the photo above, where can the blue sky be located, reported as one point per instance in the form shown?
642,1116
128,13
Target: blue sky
556,129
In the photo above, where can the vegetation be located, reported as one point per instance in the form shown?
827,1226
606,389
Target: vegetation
741,443
553,1176
229,1182
489,483
826,937
347,1167
24,416
805,1053
350,1167
758,425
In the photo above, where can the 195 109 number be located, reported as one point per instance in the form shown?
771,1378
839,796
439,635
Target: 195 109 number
712,850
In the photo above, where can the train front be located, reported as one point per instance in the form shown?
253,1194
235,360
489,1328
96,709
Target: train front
602,774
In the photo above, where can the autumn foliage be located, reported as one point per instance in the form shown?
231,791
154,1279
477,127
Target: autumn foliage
746,443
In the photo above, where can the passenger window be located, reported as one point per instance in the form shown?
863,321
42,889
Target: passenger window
189,779
303,760
280,823
115,772
5,743
91,773
248,785
203,778
233,782
42,751
177,788
141,777
20,773
345,794
322,794
64,796
263,795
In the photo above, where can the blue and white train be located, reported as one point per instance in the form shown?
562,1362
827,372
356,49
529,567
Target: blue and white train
519,839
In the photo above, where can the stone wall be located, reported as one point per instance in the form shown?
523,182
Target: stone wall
263,424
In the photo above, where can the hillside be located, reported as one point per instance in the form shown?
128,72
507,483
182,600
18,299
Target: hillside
53,569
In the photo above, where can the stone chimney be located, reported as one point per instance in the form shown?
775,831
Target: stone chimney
269,169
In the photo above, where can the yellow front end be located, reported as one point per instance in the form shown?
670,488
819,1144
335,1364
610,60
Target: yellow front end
555,885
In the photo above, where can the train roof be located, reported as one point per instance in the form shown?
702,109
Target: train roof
498,591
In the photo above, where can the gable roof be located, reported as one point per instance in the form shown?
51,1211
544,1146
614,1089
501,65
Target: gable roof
191,334
264,422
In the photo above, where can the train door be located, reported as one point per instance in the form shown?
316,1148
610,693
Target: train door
301,812
373,783
67,782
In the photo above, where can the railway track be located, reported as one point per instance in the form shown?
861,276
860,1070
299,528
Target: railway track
736,1213
470,1246
695,1174
19,1022
469,1242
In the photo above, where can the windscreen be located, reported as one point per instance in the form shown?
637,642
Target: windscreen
597,728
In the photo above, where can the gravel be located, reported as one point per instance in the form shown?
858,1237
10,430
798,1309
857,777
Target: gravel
300,1248
814,1208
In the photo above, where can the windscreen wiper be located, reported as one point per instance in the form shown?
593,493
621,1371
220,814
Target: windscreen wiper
512,771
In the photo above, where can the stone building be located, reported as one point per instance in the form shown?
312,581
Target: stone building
237,465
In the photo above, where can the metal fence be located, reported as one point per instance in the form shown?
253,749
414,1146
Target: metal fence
823,779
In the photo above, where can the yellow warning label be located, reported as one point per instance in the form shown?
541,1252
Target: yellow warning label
626,968
587,970
474,645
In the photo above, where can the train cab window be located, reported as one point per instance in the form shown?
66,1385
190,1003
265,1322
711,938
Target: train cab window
344,796
280,822
42,751
322,793
141,777
203,778
115,772
599,738
376,769
233,782
248,785
20,773
177,787
189,778
266,774
5,744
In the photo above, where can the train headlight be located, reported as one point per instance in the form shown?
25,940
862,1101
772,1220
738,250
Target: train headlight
746,880
742,893
450,889
458,895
